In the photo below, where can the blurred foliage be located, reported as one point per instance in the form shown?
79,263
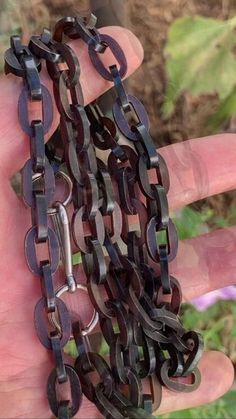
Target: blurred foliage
216,324
227,221
76,258
224,408
71,349
201,60
20,17
226,109
190,223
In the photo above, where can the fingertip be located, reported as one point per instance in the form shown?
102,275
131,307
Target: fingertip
217,376
131,44
219,372
93,84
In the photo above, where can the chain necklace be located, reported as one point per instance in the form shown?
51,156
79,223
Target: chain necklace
106,163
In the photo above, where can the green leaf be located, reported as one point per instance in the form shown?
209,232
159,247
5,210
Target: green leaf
232,216
104,349
76,258
200,58
190,316
71,349
233,331
190,223
226,109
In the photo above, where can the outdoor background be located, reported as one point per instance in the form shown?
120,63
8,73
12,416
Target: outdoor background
189,91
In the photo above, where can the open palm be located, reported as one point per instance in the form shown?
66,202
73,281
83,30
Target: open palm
198,168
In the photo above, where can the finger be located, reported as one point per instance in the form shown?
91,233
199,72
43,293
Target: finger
206,263
213,385
197,168
217,377
200,168
14,143
203,264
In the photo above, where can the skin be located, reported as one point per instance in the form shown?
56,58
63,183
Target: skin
198,168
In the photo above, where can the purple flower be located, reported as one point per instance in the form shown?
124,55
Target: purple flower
206,300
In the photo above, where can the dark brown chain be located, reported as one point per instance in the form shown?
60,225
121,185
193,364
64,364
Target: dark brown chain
109,161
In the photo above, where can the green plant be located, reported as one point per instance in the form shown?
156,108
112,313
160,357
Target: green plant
224,408
200,60
216,324
189,222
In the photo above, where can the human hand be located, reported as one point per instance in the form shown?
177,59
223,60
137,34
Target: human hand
204,263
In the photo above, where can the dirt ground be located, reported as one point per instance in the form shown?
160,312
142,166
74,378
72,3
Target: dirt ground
150,22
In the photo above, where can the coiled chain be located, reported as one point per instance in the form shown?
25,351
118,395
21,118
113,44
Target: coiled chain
114,175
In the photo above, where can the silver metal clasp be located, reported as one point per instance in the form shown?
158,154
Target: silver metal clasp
61,225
